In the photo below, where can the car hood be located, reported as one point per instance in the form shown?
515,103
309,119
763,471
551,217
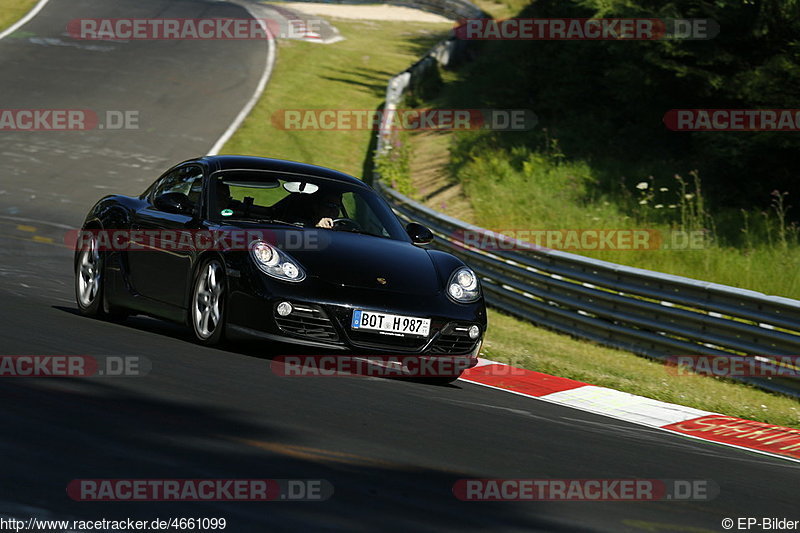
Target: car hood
355,260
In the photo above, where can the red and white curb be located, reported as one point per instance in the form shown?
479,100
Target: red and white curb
768,439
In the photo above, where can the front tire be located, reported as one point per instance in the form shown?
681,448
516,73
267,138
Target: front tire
90,292
207,310
89,279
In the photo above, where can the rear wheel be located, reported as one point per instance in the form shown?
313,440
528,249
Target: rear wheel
207,312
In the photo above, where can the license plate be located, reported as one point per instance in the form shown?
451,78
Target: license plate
397,324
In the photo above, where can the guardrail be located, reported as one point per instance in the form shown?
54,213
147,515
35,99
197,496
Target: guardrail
649,313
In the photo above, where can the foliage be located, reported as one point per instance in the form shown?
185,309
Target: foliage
393,165
605,100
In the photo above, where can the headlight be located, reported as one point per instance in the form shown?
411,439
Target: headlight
463,286
273,262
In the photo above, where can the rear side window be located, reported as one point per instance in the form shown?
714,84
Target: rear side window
261,197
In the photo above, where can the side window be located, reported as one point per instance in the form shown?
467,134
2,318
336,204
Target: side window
186,180
359,210
195,179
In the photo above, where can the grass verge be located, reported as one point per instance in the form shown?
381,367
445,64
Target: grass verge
352,74
13,10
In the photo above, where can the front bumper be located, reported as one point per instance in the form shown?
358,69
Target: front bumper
320,319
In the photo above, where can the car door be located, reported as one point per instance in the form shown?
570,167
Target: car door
160,267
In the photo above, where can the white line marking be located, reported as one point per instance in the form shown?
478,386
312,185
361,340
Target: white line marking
262,83
24,20
36,221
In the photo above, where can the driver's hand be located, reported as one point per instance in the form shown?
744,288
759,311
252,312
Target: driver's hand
325,223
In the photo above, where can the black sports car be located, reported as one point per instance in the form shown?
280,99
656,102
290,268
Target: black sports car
285,251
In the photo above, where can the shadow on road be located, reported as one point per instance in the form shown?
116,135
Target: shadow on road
79,429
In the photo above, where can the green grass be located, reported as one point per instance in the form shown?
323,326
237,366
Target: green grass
13,10
530,190
501,9
350,74
353,74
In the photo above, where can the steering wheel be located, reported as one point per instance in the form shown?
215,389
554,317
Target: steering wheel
346,224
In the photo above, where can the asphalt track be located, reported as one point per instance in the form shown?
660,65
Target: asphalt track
392,450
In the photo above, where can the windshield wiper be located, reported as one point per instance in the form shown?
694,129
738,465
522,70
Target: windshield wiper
276,221
260,221
362,232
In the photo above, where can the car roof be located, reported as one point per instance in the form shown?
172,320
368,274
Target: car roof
242,162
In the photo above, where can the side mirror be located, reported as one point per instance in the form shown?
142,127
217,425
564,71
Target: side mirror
419,234
174,202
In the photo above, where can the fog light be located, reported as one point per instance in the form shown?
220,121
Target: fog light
474,331
285,308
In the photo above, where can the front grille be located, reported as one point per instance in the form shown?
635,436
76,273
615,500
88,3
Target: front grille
308,321
378,341
453,340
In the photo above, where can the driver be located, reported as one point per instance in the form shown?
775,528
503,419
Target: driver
325,209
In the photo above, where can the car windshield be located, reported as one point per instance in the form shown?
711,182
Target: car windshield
302,201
